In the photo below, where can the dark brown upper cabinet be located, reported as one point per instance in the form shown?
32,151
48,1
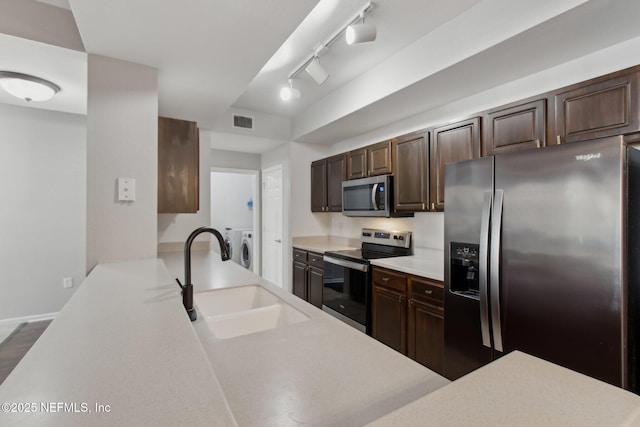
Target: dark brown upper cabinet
411,181
605,106
372,160
380,158
450,143
357,163
178,166
515,127
326,183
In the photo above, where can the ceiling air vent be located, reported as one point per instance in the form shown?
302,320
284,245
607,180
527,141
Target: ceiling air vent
243,122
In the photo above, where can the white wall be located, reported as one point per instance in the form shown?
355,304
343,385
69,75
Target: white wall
122,139
43,211
234,160
231,192
305,223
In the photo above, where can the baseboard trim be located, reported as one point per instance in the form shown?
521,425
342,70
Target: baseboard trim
27,319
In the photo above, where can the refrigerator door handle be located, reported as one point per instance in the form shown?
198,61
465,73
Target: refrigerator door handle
484,264
494,269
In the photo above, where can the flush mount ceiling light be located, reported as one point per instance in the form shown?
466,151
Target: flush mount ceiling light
289,93
315,70
27,87
312,64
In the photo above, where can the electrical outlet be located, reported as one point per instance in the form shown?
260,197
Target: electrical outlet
67,282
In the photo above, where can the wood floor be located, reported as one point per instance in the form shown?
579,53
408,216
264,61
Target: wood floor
16,345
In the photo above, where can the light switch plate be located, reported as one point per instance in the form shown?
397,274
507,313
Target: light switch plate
126,189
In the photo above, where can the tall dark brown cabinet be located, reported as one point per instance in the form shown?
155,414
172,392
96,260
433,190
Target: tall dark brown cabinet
326,183
411,181
450,143
178,170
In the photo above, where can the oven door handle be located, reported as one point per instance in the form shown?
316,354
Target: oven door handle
348,264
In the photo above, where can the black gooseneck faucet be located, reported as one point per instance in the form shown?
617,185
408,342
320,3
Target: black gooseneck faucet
187,288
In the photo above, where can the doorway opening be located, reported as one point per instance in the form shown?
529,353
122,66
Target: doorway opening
235,212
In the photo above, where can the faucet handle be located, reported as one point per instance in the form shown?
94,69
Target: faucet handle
179,284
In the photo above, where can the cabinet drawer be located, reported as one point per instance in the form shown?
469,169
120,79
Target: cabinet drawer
315,259
390,279
431,292
299,255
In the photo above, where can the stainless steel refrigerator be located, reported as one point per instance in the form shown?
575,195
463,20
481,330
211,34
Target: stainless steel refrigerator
541,254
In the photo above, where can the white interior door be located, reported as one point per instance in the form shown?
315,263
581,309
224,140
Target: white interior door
272,246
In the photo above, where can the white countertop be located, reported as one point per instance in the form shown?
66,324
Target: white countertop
122,340
521,390
323,244
316,372
427,263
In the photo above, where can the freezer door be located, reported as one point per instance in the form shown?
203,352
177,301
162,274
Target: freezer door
561,255
468,189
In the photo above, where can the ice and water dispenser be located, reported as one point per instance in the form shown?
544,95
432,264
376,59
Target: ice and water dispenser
464,269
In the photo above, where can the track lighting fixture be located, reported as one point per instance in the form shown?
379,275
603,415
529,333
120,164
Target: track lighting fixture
315,70
360,33
355,33
27,87
289,93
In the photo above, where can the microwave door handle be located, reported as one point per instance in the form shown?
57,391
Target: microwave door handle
374,191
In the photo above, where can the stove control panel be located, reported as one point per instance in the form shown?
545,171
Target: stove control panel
400,239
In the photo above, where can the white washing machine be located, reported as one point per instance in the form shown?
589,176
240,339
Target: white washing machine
233,242
246,250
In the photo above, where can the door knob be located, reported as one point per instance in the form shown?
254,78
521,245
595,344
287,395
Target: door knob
278,241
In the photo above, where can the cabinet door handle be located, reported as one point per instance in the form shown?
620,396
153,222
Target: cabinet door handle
428,292
538,145
433,206
558,140
423,206
385,279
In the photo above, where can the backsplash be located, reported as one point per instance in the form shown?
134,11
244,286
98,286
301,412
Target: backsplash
427,227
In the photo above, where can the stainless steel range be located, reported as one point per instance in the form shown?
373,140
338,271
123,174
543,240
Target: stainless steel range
346,291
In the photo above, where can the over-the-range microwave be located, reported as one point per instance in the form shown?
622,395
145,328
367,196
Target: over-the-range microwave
369,197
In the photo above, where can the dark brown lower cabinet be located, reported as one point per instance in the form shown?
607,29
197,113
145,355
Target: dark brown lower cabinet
426,334
390,319
308,272
314,285
408,315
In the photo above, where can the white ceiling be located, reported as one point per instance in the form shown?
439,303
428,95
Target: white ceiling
214,57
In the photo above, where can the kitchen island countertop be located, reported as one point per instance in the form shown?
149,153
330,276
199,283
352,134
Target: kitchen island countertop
316,372
521,390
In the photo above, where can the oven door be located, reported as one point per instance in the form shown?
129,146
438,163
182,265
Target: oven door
345,292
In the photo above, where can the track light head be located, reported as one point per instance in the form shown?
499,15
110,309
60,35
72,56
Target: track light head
289,93
360,33
315,70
